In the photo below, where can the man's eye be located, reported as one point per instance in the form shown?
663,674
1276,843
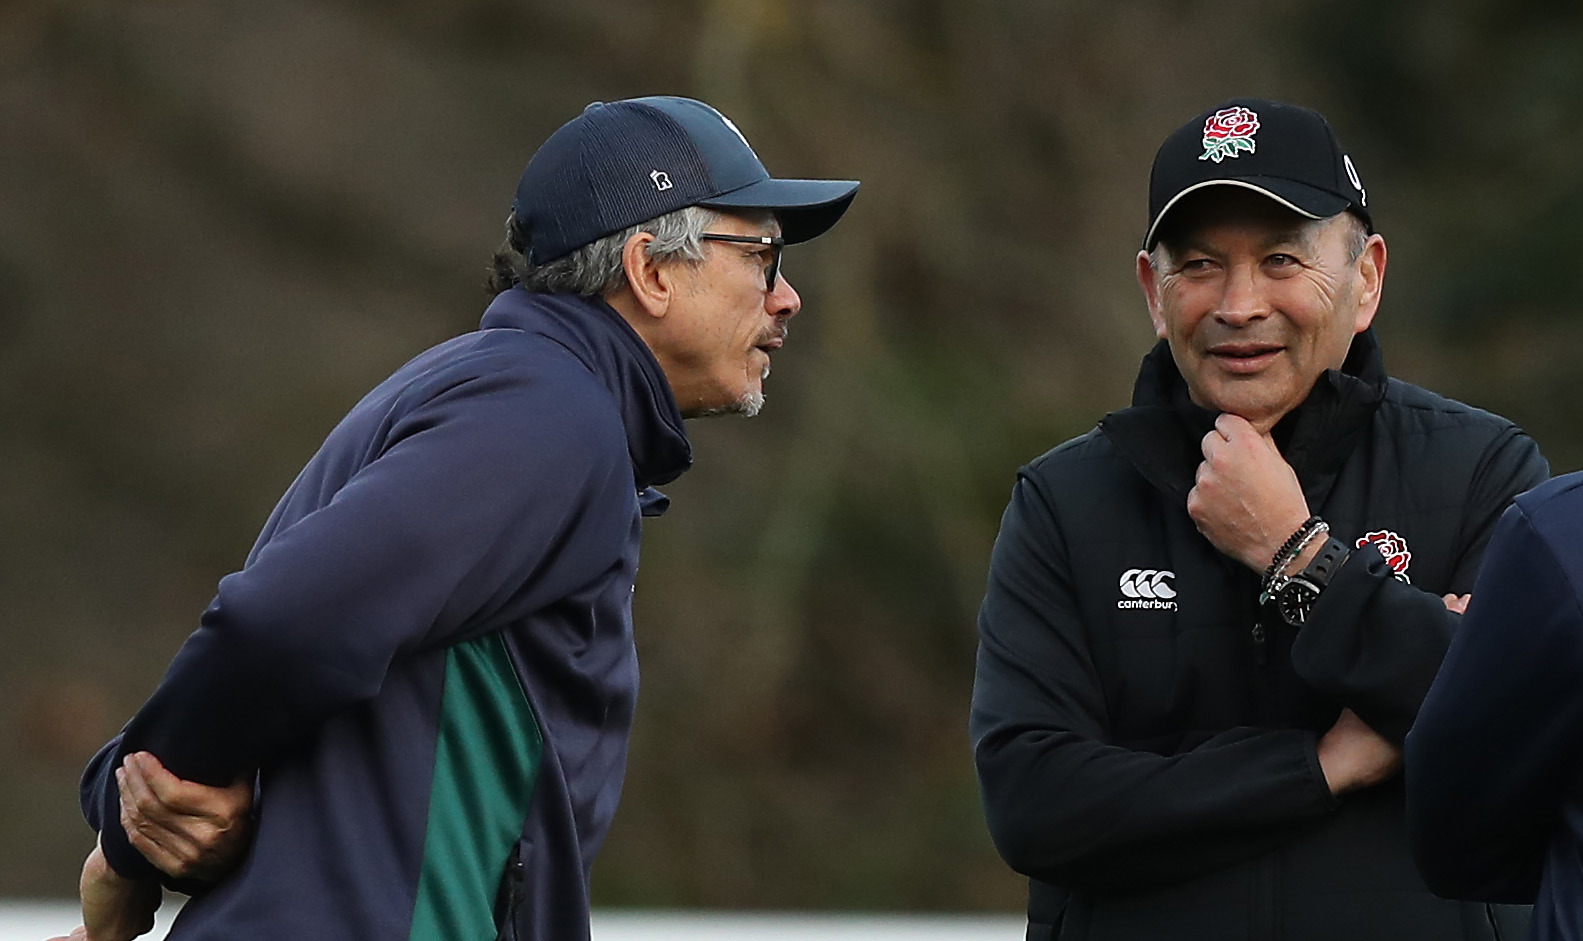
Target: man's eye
1197,265
1279,260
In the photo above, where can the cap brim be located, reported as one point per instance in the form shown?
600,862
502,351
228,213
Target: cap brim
1305,200
806,208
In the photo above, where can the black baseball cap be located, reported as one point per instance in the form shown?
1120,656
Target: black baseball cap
1285,152
624,162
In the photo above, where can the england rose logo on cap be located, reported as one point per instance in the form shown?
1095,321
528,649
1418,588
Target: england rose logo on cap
1393,547
1229,132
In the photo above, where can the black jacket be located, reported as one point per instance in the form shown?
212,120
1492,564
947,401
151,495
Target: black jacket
1495,761
1146,742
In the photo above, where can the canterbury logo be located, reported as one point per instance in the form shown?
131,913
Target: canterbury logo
1148,588
1147,583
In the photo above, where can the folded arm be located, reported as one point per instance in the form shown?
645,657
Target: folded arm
1373,641
478,494
1064,804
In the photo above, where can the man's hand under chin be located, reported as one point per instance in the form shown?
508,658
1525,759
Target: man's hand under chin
1246,499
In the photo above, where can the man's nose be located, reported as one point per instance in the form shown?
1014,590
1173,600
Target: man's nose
783,301
1243,300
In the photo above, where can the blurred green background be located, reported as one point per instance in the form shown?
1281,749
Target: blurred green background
220,223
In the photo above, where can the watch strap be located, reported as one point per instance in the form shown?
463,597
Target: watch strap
1297,593
1319,570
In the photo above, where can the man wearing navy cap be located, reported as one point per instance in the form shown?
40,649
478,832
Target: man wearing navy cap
425,669
1210,621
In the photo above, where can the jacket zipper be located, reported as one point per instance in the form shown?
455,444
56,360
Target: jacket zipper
1265,916
510,897
1265,925
1489,915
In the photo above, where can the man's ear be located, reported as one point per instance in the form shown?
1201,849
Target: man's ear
1371,281
648,281
1151,292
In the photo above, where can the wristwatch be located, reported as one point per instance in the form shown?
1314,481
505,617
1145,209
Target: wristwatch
1295,594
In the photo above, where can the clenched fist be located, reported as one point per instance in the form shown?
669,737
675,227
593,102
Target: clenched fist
1245,498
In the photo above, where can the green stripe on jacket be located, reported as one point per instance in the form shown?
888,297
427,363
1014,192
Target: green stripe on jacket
485,764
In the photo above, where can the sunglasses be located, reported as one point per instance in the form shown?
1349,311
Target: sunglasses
776,243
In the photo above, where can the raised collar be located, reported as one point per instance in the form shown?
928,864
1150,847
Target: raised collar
592,331
1161,433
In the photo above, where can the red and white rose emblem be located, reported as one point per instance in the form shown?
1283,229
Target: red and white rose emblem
1393,547
1229,132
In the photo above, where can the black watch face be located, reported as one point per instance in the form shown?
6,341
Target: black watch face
1294,601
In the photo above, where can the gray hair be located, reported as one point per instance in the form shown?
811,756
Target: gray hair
1359,238
595,268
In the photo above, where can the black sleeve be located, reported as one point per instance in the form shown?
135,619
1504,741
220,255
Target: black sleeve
1498,742
1063,804
1374,642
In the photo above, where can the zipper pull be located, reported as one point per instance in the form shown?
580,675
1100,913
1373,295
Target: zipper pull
1260,653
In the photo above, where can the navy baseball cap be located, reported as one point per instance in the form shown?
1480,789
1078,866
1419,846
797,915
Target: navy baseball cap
624,162
1285,152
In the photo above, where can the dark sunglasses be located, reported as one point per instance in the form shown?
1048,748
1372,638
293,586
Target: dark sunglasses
776,243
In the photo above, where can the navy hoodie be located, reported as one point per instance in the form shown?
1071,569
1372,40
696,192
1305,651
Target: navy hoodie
1494,764
428,657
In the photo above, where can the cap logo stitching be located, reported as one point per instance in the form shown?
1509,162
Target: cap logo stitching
662,180
1228,133
1352,177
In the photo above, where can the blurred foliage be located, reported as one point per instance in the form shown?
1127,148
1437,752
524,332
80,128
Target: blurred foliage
221,223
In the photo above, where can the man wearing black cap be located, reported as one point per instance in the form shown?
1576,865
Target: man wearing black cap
1210,621
427,664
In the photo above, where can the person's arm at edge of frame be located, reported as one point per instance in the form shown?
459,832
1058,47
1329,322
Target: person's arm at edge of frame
1375,642
1065,806
1496,743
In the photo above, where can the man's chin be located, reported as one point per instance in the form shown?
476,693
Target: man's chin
1261,403
747,405
1262,416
